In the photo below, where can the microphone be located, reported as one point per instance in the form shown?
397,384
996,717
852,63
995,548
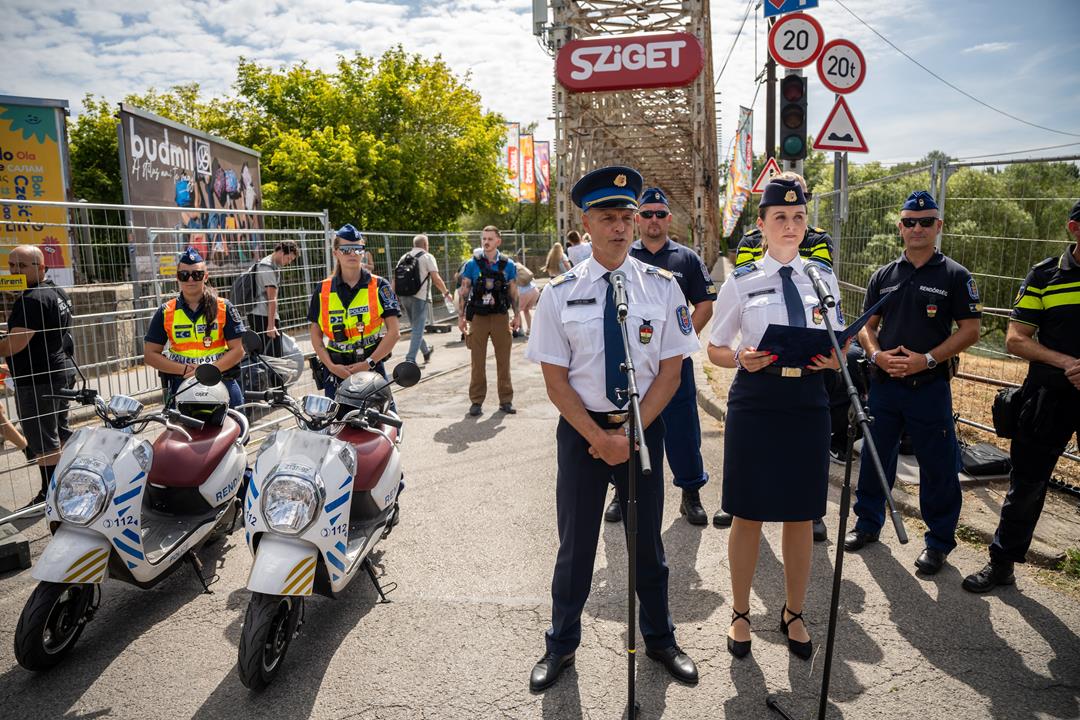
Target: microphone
618,281
820,287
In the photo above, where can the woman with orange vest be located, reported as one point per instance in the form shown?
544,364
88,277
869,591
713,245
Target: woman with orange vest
353,314
198,327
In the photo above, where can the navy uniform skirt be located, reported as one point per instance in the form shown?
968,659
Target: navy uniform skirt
776,447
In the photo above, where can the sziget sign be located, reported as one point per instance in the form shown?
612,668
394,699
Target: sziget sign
629,62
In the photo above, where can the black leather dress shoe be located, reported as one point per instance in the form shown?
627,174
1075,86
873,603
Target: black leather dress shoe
722,519
548,669
678,663
821,533
857,539
508,408
994,574
930,561
613,512
475,409
692,509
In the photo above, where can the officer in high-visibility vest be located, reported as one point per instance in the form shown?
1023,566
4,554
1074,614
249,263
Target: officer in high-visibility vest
353,315
198,328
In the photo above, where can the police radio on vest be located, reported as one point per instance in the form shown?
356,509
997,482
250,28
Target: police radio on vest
655,55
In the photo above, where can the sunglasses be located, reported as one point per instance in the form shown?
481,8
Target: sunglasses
650,214
185,275
351,249
912,222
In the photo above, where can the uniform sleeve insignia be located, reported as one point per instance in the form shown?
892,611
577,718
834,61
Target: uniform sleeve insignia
710,289
744,270
559,279
1020,293
973,291
683,316
666,274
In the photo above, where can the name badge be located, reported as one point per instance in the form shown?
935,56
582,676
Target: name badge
582,301
766,291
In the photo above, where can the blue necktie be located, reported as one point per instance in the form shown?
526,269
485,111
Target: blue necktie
614,352
796,315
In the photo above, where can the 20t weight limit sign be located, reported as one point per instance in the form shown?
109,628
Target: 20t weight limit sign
795,41
841,66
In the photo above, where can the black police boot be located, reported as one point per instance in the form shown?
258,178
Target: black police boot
821,533
995,573
722,519
857,540
613,512
692,509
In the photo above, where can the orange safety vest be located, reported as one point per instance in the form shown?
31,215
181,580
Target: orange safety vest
359,326
191,343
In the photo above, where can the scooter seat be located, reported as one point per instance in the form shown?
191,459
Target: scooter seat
372,454
179,463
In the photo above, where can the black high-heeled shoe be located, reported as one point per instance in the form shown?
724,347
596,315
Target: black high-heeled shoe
799,649
739,648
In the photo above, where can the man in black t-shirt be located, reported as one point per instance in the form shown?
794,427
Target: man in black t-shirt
36,348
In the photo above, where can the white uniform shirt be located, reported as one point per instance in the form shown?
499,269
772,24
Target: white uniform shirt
568,328
752,298
579,253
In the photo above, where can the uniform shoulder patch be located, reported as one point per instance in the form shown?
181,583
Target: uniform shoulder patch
821,266
653,270
559,279
744,270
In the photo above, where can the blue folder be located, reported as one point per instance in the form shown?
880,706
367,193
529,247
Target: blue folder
796,346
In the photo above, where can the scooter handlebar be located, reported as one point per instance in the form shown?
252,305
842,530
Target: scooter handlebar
377,418
186,421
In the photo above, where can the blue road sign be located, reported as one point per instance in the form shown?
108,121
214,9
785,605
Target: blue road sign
779,7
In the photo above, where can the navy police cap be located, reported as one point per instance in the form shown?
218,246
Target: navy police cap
350,234
190,256
920,200
1074,214
653,195
609,187
782,192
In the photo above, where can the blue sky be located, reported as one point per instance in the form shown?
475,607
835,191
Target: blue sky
1020,56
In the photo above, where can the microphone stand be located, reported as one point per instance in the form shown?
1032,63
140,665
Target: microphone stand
772,702
636,434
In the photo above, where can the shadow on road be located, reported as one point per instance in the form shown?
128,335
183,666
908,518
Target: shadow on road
468,431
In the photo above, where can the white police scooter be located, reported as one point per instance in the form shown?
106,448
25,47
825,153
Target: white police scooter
120,506
321,496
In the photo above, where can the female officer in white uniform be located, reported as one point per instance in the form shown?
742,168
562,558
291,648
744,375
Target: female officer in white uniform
769,405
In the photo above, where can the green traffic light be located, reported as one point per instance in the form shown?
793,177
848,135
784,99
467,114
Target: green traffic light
793,145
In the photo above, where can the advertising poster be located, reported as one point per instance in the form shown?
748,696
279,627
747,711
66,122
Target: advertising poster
528,170
212,183
33,166
543,171
740,178
513,160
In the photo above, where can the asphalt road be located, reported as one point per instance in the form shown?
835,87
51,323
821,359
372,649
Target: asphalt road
472,560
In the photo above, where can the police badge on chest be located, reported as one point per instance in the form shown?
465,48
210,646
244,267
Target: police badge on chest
645,332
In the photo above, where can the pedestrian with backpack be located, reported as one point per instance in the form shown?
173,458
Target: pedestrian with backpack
256,293
414,274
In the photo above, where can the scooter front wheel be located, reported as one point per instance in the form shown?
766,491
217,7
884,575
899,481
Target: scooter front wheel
50,623
269,627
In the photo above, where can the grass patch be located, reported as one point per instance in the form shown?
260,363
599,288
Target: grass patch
968,534
1070,566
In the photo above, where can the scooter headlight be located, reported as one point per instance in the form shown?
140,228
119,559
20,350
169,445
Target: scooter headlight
80,496
290,504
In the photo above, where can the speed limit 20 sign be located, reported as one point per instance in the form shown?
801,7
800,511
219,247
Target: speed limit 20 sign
795,41
841,66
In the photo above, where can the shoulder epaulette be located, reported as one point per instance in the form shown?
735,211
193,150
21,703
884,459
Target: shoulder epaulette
814,228
744,270
820,265
653,270
559,279
1046,264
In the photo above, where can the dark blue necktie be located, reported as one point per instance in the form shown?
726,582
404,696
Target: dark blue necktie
614,352
796,315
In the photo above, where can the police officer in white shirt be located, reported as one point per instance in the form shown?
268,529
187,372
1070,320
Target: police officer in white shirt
578,342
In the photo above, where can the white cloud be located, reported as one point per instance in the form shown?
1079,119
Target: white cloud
991,47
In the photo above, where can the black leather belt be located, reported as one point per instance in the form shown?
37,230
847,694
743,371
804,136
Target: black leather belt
610,420
791,372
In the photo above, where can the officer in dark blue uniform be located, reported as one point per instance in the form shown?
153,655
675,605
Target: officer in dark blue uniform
1047,306
577,339
682,437
912,347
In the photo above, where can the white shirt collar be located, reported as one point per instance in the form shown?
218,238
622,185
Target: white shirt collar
771,265
595,271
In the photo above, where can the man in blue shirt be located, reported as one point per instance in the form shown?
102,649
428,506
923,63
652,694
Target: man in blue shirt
682,442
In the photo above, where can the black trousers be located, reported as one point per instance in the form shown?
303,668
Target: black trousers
1049,418
271,346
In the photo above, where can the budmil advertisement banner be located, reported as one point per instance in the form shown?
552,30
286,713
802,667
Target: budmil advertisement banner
543,171
33,166
512,158
528,170
213,184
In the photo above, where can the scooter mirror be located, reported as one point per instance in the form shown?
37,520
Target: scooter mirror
406,374
253,344
208,374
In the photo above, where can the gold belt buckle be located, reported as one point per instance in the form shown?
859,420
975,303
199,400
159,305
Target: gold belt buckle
791,372
617,418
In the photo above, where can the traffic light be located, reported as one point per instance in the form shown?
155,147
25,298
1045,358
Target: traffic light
793,117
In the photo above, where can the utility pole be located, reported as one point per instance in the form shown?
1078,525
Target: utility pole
770,102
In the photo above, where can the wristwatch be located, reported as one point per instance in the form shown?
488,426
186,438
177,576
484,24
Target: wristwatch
737,363
931,363
370,364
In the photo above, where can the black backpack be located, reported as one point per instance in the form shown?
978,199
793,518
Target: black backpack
407,275
243,288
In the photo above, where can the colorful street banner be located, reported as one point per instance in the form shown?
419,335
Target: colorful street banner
543,171
528,170
740,177
212,183
512,160
33,166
